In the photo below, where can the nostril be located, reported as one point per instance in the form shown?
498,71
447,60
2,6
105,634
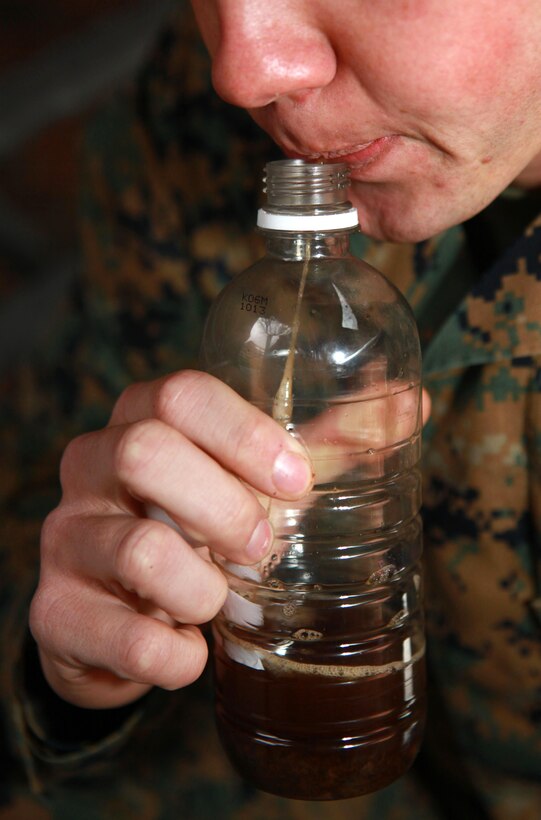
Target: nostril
253,72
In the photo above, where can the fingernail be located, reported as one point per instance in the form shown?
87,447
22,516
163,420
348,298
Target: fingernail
291,473
260,541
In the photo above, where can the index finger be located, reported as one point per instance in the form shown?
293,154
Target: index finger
238,435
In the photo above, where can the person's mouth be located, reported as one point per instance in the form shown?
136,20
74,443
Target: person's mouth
357,156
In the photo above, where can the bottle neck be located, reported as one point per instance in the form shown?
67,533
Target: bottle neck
300,246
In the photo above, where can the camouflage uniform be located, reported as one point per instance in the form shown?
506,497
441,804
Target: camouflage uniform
171,186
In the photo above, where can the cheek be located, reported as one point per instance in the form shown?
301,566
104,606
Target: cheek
448,70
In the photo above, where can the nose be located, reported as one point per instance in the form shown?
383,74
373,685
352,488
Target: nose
267,49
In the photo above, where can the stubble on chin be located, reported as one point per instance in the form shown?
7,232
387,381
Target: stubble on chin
417,211
396,216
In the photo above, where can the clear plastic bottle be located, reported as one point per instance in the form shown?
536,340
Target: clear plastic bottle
319,651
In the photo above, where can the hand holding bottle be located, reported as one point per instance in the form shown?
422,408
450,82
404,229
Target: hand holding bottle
121,596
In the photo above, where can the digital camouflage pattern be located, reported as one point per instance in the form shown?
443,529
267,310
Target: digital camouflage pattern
171,183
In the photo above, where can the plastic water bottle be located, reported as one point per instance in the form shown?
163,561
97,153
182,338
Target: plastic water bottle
319,650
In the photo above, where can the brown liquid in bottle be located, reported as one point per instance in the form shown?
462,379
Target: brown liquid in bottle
319,732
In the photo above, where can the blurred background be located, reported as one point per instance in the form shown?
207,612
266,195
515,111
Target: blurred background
59,60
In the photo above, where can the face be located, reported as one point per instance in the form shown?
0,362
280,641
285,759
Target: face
434,104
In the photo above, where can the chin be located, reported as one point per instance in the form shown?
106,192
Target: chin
402,233
419,209
398,227
402,217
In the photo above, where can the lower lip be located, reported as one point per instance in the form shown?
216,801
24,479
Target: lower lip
367,153
363,156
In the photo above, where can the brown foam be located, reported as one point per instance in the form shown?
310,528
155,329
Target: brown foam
278,664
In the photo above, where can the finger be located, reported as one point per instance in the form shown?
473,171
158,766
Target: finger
84,629
156,464
148,559
244,439
90,688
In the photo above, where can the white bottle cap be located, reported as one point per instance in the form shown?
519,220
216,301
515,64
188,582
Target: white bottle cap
307,222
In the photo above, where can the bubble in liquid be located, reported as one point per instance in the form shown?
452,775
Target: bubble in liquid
307,635
381,575
289,609
274,583
370,451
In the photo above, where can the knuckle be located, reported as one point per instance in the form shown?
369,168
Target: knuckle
36,618
140,554
207,600
239,513
165,398
194,658
143,653
46,612
137,448
180,394
258,429
53,531
120,412
248,437
73,457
